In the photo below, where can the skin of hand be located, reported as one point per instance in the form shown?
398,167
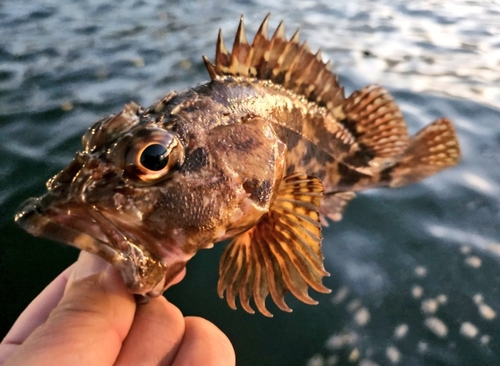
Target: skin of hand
86,316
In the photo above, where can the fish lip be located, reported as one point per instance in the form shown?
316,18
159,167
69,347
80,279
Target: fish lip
38,218
83,227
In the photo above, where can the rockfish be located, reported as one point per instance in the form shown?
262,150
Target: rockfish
265,153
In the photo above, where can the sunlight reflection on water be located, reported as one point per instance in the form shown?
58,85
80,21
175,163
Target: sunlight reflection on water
414,271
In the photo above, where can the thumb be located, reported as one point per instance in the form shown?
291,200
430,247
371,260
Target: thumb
88,325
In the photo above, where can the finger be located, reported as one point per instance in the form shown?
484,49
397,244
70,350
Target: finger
204,344
35,314
89,324
158,328
162,324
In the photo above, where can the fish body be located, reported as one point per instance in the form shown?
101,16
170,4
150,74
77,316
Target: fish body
263,154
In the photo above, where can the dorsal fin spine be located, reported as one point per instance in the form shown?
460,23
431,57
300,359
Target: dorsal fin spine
279,33
240,52
222,56
296,37
263,30
289,73
210,68
279,61
319,56
258,48
302,80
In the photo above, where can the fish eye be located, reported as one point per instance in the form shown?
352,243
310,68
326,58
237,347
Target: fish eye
154,157
152,154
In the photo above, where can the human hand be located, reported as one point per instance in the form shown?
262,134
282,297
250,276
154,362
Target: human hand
86,316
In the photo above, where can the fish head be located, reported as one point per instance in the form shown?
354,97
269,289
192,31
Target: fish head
145,198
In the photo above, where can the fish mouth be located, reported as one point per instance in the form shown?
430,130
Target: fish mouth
84,227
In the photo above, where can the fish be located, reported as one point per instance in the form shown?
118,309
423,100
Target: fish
265,153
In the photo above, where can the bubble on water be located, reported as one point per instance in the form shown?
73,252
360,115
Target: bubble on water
429,306
362,316
431,323
436,326
485,339
354,356
477,298
354,305
464,249
401,331
417,291
422,346
316,360
420,271
442,299
340,296
484,309
473,261
487,312
393,354
468,330
341,340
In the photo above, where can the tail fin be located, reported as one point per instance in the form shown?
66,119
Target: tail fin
431,150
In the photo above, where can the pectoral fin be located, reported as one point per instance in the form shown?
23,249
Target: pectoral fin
281,253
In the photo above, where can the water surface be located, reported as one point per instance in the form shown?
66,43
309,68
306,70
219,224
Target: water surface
414,271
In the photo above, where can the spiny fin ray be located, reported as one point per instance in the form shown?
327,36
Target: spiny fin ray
279,60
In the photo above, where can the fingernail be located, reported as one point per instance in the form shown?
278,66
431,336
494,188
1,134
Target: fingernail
87,265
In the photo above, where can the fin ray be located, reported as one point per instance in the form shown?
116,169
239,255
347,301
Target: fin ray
431,150
311,257
378,125
294,282
260,286
274,278
282,253
311,273
279,60
245,291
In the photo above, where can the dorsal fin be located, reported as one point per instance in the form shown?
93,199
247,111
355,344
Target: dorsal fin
284,62
378,125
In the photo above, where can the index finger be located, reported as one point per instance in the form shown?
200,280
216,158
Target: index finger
88,325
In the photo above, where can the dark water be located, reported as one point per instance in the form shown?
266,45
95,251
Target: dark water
415,271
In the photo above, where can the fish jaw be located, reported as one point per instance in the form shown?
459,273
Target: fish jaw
144,273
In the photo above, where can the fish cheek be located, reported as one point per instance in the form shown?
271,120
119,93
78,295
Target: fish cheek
187,212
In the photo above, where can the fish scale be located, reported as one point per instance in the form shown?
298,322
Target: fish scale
265,153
